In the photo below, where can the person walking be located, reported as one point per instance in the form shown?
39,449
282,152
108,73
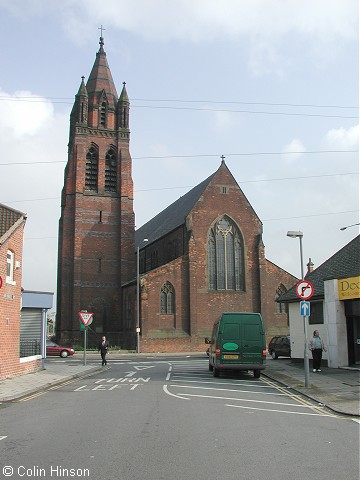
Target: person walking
316,346
103,349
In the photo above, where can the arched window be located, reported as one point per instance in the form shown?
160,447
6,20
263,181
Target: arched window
225,256
167,299
110,171
280,307
92,169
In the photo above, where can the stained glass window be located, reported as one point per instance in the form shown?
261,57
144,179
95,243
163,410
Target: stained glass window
225,256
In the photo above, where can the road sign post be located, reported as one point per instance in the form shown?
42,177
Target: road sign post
86,319
305,290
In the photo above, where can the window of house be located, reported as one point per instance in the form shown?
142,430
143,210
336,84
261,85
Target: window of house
316,313
10,262
92,169
167,299
225,256
110,171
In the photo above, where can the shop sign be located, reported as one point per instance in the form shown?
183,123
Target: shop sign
349,288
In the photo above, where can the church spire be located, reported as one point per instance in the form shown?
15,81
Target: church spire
100,82
79,113
123,109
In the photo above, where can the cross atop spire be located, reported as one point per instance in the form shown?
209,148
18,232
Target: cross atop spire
222,158
101,42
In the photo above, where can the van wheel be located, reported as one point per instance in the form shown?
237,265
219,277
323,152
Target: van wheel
216,372
257,373
211,368
274,355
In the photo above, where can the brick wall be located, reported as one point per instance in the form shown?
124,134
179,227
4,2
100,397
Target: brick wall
10,306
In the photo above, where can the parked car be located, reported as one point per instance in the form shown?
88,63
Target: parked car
53,349
280,346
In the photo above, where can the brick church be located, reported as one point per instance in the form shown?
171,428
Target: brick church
201,256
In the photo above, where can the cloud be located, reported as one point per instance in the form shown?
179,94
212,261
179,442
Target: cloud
297,146
204,19
268,30
342,138
25,116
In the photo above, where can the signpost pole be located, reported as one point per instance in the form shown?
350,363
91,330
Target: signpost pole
306,351
306,355
85,342
86,319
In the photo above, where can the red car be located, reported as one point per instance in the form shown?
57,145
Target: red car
52,349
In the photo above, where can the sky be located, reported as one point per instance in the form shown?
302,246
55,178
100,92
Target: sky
270,84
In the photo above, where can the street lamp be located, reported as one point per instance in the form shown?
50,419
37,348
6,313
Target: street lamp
298,234
354,225
138,296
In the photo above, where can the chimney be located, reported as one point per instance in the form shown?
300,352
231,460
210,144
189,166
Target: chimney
310,267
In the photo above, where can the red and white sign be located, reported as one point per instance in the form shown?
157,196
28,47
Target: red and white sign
86,318
304,289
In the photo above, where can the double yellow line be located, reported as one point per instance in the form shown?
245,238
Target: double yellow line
298,398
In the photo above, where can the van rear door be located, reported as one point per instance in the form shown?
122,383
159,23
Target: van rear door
252,340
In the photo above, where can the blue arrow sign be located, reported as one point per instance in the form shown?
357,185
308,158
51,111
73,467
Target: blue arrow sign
304,308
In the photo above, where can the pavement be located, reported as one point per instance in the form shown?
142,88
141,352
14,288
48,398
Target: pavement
336,388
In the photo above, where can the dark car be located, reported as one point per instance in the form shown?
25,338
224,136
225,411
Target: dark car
280,346
53,349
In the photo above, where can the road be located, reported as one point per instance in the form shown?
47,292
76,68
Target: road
168,418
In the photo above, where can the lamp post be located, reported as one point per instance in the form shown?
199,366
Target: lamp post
298,234
138,297
348,226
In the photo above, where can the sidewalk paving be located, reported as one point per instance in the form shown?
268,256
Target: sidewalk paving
336,388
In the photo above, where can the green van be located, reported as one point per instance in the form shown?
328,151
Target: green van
237,343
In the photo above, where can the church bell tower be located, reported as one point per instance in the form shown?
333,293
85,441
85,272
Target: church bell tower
97,225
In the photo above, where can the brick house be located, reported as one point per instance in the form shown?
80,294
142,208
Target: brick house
204,254
334,308
12,223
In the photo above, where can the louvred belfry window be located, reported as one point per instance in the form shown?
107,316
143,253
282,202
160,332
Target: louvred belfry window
92,169
110,171
225,256
103,114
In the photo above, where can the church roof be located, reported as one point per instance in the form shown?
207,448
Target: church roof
100,79
172,217
343,264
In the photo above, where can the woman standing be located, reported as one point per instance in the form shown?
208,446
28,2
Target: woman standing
316,346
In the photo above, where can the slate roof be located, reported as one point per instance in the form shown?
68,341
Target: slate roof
344,263
8,217
172,217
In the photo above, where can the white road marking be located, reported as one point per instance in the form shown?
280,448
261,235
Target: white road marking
284,411
172,394
3,436
230,390
223,383
246,400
